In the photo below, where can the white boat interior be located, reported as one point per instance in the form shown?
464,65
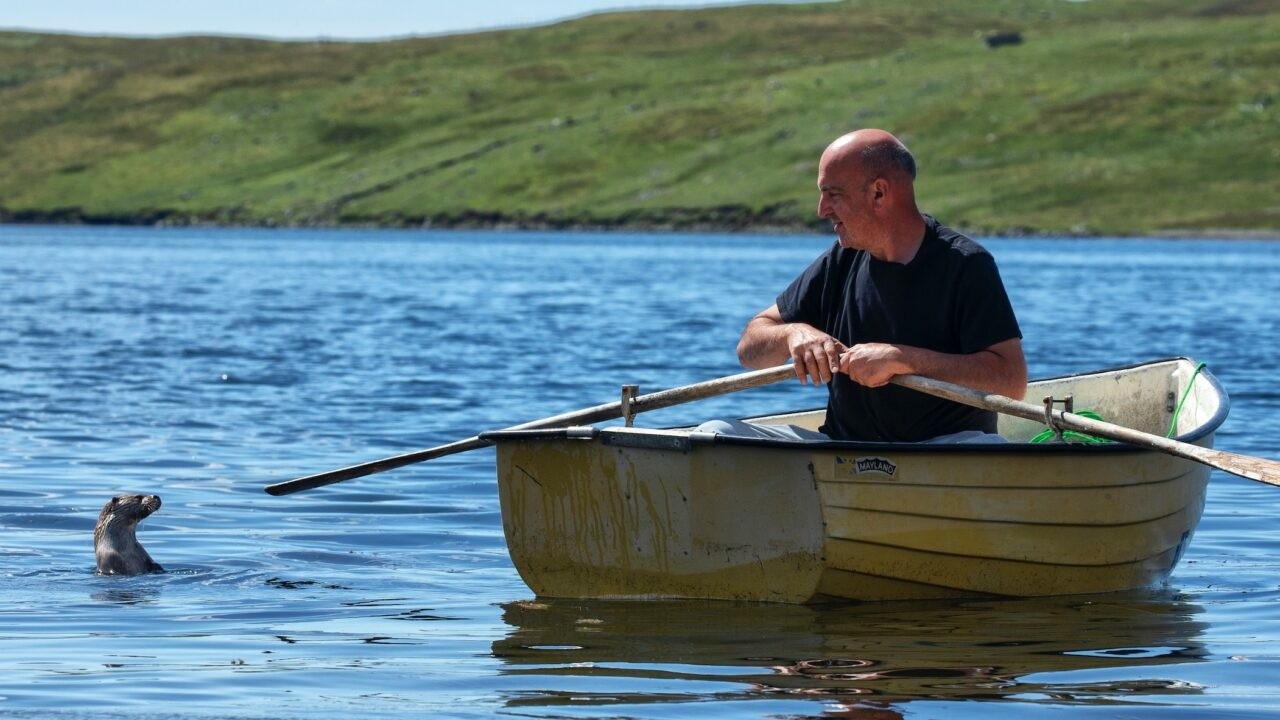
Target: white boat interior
1152,397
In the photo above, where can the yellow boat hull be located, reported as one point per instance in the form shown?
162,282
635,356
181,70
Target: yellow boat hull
642,513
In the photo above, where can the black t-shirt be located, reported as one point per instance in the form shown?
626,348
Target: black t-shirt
949,298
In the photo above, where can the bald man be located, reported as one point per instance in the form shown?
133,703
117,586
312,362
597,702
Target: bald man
898,293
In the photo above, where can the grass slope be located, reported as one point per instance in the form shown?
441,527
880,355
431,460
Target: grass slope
1138,116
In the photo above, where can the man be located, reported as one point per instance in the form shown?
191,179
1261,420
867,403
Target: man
899,293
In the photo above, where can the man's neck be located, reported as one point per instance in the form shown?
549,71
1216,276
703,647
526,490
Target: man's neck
904,241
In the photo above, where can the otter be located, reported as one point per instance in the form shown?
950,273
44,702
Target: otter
115,540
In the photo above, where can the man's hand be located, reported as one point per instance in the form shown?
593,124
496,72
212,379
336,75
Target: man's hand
769,341
816,354
873,364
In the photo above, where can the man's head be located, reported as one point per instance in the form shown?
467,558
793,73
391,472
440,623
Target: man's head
866,180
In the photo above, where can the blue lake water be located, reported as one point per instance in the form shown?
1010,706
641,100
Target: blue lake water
203,364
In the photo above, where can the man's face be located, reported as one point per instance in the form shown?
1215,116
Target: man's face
843,199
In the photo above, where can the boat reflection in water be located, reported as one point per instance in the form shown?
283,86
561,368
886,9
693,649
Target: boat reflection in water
864,660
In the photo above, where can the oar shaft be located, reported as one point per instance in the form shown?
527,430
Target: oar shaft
310,482
586,416
1246,466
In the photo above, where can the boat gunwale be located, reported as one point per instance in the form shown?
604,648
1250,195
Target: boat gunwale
688,436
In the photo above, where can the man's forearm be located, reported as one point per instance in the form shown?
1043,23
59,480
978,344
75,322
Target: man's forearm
763,344
997,369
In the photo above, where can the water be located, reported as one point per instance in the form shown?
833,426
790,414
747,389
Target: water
203,364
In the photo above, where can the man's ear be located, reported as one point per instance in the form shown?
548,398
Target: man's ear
879,190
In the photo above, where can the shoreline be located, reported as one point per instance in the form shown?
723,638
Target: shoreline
719,219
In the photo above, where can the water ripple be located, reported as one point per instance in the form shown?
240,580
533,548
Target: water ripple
202,364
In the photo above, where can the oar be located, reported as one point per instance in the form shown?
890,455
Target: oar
599,413
1246,466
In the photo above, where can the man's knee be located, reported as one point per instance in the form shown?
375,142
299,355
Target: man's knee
737,428
741,428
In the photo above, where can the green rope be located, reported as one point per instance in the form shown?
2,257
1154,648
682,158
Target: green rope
1173,425
1071,435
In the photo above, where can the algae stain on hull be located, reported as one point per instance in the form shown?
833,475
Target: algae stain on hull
587,520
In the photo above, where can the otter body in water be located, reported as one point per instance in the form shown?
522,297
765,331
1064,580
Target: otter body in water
115,539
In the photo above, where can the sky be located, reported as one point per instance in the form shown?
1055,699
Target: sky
299,19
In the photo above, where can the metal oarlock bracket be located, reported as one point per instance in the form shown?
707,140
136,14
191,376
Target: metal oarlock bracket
1068,405
629,393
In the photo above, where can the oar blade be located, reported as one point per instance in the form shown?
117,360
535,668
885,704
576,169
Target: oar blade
1249,467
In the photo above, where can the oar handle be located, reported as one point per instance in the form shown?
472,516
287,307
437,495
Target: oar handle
586,416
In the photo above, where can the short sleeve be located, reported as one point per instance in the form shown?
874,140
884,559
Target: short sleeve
984,314
803,300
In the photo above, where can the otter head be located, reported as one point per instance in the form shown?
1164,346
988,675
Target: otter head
115,539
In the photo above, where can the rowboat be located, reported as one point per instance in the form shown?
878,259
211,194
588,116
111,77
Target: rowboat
644,513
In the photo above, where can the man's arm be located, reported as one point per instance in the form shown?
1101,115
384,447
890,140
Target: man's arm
768,341
999,369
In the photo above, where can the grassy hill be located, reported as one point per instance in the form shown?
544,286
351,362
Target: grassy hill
1138,116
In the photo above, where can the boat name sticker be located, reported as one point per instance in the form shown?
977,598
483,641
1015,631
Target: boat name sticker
861,465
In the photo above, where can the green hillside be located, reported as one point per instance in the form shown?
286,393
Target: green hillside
1133,116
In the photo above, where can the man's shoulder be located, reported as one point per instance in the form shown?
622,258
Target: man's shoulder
842,259
954,240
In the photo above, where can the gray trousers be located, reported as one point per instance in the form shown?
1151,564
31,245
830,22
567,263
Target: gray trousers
742,428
